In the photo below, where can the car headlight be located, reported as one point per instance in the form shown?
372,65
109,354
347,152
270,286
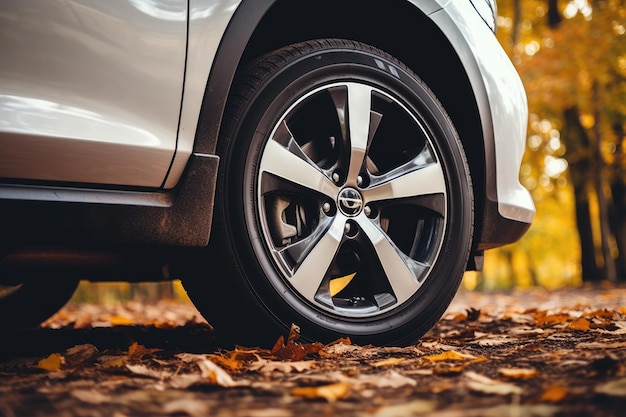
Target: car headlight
488,10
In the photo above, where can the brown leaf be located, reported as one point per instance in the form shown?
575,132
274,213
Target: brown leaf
294,351
473,314
137,351
543,320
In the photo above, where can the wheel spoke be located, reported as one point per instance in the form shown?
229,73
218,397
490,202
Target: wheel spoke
310,273
281,162
358,111
403,273
408,181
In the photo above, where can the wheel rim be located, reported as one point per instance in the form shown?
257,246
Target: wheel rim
352,201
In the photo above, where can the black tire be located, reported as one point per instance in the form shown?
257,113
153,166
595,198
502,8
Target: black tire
32,303
344,201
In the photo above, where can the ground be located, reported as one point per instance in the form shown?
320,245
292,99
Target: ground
526,353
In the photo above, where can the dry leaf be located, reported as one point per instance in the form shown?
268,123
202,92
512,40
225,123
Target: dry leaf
52,363
230,361
449,355
388,362
518,373
554,394
390,379
137,351
120,320
143,370
114,362
581,324
211,372
413,408
330,392
266,366
481,383
615,388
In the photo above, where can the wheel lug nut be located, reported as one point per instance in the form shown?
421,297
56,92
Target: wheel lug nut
335,177
359,180
367,210
326,207
347,228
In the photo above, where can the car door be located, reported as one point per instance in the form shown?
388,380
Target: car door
90,90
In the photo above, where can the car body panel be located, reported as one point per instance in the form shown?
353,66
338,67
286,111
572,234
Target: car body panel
95,84
174,70
502,103
208,20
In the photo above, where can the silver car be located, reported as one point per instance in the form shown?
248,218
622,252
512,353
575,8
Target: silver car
337,165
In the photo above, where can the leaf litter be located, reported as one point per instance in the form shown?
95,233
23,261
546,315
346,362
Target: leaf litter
531,353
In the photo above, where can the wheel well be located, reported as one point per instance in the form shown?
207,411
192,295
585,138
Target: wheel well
390,28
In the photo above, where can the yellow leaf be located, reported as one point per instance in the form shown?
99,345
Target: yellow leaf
518,373
449,355
120,321
338,284
52,363
330,392
388,362
580,324
554,394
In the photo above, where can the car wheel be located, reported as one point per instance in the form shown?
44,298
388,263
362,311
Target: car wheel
344,201
29,304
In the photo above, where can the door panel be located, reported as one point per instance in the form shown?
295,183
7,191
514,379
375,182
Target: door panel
90,90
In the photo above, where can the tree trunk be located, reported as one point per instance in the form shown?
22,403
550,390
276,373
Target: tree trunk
580,175
617,213
609,269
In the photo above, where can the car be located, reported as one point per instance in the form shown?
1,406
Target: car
333,165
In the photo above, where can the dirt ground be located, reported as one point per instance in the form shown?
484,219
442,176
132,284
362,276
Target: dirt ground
527,353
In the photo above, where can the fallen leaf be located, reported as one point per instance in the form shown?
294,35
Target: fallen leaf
411,408
330,392
449,355
554,394
51,363
390,379
486,385
518,373
143,370
137,351
615,388
91,396
581,324
266,366
388,362
211,372
120,320
601,345
541,320
115,362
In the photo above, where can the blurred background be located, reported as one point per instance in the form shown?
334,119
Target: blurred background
571,56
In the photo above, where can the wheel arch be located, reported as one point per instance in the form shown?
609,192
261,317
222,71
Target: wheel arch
260,26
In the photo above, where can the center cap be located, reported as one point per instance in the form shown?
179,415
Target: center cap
350,202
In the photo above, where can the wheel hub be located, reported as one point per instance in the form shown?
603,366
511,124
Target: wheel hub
350,202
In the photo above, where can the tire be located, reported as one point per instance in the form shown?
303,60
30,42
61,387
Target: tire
30,304
344,201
